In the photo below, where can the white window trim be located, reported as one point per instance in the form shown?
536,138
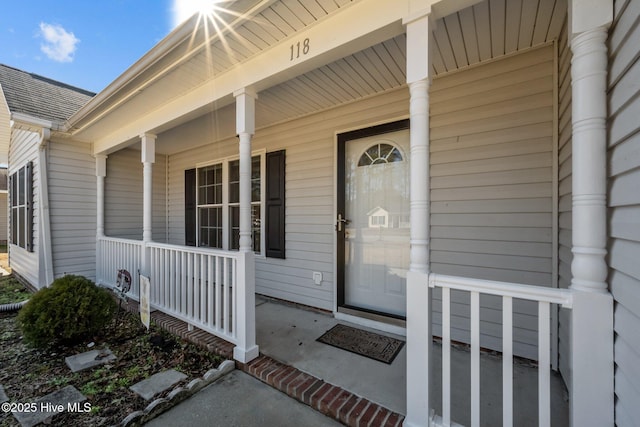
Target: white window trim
226,222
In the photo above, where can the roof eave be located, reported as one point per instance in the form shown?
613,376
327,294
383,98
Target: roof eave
34,122
156,53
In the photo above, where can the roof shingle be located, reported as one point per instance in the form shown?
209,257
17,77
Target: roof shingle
39,96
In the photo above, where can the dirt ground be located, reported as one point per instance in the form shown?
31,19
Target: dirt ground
4,261
27,373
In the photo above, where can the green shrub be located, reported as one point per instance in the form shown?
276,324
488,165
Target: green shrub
73,308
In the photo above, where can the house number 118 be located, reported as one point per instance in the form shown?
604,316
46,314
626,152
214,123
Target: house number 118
299,49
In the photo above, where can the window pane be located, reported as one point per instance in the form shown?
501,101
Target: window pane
255,228
204,217
204,236
21,227
234,192
215,217
210,199
255,167
14,226
21,186
234,223
255,191
14,189
234,171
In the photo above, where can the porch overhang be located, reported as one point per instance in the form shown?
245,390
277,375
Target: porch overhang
121,112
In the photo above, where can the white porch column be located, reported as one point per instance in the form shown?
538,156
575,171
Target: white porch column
148,159
246,349
592,368
101,173
418,291
245,127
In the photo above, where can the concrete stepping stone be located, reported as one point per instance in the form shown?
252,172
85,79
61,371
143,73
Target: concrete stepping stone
157,383
65,399
89,359
3,395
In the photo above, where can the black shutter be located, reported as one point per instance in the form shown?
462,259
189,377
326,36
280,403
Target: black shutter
29,206
190,207
275,207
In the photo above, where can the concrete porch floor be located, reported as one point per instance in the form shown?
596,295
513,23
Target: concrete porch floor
288,334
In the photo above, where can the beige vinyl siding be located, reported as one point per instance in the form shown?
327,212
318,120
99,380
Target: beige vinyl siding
24,149
491,149
564,199
624,205
310,191
124,193
72,208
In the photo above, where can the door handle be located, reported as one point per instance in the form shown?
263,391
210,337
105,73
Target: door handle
341,221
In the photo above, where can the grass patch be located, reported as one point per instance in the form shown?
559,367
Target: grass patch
11,290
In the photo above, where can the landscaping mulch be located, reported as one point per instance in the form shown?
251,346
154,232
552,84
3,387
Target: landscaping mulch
28,373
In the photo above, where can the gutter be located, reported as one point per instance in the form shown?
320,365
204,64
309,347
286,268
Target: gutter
46,257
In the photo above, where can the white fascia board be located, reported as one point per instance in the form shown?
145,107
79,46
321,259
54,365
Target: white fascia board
183,32
34,123
354,28
151,57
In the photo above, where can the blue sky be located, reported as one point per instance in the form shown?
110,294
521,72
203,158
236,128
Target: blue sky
84,43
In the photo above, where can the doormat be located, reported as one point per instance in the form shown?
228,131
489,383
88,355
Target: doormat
374,346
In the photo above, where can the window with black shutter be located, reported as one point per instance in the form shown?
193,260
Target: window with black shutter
21,208
212,204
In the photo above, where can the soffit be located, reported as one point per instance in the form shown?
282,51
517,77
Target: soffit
488,30
494,28
194,61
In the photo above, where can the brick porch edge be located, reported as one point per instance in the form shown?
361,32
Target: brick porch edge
331,400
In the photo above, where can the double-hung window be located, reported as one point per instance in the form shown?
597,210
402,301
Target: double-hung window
218,204
21,196
256,204
212,204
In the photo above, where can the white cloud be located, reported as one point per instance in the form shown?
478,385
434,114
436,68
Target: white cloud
59,44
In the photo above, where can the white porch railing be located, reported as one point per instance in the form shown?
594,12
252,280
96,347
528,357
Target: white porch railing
114,254
210,289
507,291
196,285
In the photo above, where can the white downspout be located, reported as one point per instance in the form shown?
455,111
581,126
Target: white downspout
46,257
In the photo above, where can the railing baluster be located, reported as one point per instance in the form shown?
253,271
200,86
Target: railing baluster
507,361
475,359
183,282
203,288
218,283
226,296
210,290
446,356
234,296
544,361
196,286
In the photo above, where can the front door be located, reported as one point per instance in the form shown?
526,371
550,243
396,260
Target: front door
373,219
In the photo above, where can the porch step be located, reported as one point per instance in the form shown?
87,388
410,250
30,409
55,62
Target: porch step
333,401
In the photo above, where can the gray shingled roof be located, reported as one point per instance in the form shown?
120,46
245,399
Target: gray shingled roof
39,96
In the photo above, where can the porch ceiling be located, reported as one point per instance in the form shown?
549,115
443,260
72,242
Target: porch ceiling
486,30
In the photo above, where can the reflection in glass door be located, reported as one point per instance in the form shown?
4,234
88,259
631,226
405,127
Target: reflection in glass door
374,233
